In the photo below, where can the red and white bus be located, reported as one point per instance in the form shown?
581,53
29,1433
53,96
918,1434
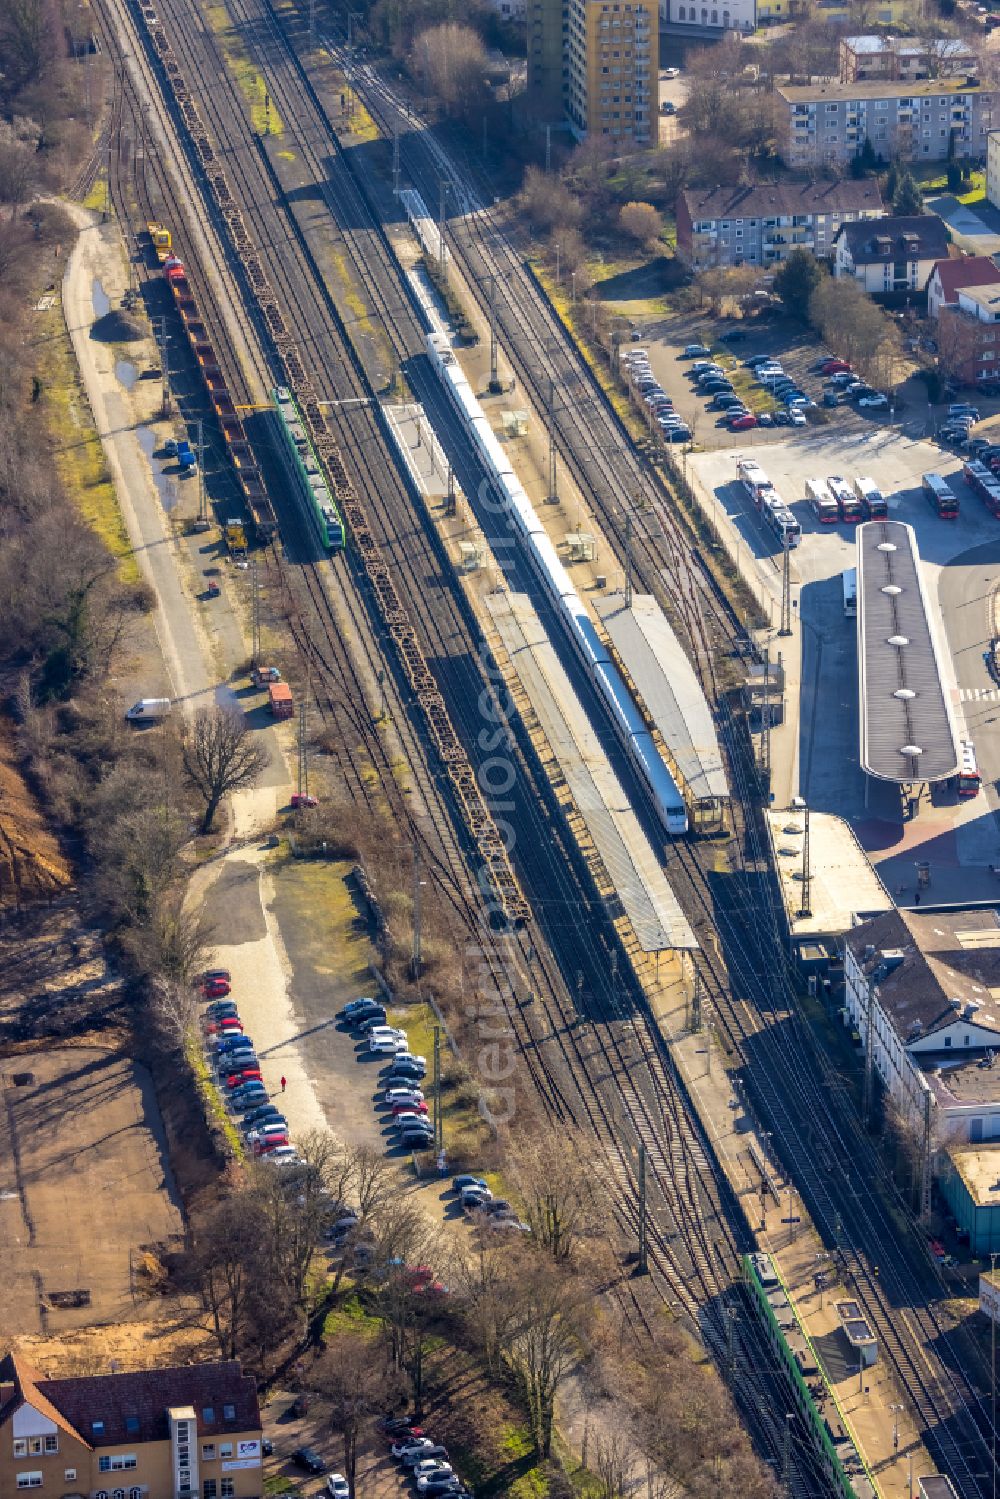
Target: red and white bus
968,772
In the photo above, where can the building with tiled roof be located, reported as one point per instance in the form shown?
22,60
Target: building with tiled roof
893,255
951,276
923,991
190,1432
760,223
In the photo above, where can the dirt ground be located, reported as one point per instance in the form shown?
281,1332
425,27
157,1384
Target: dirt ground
31,863
84,1184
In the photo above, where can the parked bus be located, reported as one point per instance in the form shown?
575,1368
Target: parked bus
848,504
782,521
968,773
873,502
822,502
985,483
851,592
940,497
753,478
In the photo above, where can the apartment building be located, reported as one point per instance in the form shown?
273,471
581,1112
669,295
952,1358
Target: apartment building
968,335
761,224
596,63
910,59
993,168
828,123
893,255
179,1433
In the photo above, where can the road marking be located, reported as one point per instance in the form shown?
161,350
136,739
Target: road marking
979,694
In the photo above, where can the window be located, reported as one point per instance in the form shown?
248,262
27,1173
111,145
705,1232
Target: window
116,1462
117,1494
132,1426
135,1494
101,1494
34,1446
207,1451
225,1449
209,1489
69,1475
20,1447
29,1480
51,1445
228,1488
97,1428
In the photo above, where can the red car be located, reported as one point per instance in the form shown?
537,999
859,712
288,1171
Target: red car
298,800
271,1142
408,1108
227,1026
834,367
216,988
742,423
248,1074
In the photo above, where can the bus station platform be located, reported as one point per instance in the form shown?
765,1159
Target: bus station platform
639,883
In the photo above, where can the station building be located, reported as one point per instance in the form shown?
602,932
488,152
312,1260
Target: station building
192,1432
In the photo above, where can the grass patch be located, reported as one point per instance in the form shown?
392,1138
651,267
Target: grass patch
79,455
569,314
935,181
251,84
211,1097
278,1483
350,1315
97,199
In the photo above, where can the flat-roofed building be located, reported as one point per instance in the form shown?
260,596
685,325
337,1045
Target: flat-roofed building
596,63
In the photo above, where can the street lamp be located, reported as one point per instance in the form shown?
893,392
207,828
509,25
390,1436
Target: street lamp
895,1427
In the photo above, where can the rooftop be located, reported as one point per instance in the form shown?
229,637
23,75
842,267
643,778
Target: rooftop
967,1082
105,1410
979,1168
986,296
907,728
932,968
773,199
877,88
944,47
843,884
658,666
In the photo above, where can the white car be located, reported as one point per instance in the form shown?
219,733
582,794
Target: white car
410,1446
877,402
671,73
424,1482
797,417
283,1155
403,1095
337,1486
386,1040
430,1465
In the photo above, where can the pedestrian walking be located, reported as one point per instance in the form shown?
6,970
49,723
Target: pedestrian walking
284,1084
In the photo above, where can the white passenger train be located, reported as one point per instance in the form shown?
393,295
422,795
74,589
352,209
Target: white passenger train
627,720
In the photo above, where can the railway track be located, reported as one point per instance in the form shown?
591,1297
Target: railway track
685,1234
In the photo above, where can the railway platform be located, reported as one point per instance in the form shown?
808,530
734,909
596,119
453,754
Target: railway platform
420,449
637,883
842,882
861,1408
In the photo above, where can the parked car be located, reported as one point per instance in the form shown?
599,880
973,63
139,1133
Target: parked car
309,1459
358,1007
834,367
743,423
732,336
216,988
796,417
385,1039
693,351
678,434
668,107
408,1444
368,1022
403,1094
432,1449
430,1465
403,1110
283,1155
406,1060
337,1486
259,1118
671,73
874,402
963,408
269,1144
439,1483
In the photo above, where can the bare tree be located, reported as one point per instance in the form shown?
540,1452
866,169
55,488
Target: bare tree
356,1380
557,1190
546,1342
221,756
614,1463
641,222
450,62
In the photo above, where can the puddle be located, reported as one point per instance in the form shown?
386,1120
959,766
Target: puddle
166,484
126,372
100,299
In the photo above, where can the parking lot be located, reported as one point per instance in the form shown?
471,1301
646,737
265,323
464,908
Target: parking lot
961,561
795,350
84,1183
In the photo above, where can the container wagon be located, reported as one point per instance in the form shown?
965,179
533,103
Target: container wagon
308,471
240,452
279,697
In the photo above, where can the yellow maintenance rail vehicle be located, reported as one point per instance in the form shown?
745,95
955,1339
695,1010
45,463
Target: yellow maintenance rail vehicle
235,535
160,240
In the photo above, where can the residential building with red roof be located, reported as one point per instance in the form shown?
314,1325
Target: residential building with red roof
190,1432
949,277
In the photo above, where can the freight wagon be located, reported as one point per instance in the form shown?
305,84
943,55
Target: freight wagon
230,424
